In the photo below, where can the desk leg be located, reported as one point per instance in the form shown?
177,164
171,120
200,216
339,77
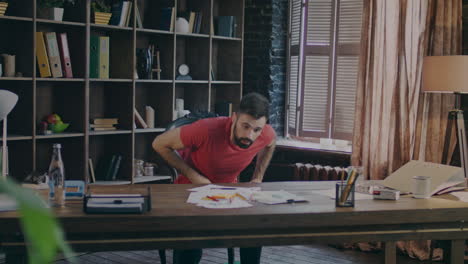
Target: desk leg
457,252
390,252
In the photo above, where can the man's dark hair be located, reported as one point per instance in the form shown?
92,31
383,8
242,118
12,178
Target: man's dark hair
255,105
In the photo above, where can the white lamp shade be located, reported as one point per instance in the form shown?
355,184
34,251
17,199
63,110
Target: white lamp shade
8,100
445,74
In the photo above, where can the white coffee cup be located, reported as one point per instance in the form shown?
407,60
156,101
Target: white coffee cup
421,187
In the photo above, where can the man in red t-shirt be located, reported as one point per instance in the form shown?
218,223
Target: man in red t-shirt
216,150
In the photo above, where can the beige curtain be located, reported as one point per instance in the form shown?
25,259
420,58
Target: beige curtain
389,85
394,121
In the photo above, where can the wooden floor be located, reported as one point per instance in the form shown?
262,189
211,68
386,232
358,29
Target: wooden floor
311,254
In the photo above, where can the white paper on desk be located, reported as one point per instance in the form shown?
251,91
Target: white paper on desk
7,203
199,198
276,197
332,193
463,196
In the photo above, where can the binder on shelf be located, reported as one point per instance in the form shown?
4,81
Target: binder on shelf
94,56
104,57
65,55
53,53
42,58
192,22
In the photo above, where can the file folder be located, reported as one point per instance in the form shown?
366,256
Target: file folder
104,57
65,55
53,53
42,58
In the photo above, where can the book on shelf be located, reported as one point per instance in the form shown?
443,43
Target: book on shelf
138,17
116,11
139,120
103,128
166,19
53,54
101,125
65,55
225,26
91,170
105,121
127,19
41,54
108,167
115,168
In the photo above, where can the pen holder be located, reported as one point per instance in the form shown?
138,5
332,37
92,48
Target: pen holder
344,195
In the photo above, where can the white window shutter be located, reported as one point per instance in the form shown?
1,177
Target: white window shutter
346,78
293,88
316,94
319,21
350,19
296,22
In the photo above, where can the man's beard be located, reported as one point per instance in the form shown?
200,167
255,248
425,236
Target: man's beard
239,142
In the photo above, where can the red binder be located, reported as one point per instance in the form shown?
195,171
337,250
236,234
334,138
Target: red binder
65,55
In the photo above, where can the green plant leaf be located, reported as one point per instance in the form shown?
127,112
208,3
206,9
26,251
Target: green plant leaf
41,230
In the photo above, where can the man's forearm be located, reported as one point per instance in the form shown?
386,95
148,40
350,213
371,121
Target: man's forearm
175,161
263,160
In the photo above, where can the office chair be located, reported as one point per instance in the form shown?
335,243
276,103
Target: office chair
185,120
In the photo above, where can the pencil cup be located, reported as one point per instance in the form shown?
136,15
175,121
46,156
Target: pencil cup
344,195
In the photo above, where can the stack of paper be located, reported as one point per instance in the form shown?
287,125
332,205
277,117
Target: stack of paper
219,197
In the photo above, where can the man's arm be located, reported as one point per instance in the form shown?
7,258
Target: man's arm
166,144
263,160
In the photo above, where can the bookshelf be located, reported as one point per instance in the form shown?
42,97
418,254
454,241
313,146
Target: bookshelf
81,98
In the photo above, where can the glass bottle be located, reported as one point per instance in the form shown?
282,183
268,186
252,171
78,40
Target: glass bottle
57,177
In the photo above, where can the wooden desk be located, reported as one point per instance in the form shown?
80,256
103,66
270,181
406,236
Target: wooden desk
175,224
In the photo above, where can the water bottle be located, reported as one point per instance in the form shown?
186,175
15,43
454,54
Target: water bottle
57,177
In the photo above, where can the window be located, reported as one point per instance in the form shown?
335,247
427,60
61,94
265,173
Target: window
324,44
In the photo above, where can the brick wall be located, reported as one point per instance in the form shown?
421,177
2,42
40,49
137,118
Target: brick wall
265,35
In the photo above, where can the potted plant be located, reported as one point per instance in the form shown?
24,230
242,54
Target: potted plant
51,9
3,7
101,11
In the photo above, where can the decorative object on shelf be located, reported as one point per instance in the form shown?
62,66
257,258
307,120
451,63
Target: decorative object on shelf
3,8
182,25
54,124
149,116
102,18
183,72
102,12
8,100
9,65
144,63
52,9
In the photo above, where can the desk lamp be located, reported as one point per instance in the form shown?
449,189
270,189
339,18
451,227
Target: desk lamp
8,100
449,74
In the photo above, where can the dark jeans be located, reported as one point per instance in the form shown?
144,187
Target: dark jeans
193,256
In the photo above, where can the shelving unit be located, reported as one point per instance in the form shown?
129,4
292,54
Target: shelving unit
78,100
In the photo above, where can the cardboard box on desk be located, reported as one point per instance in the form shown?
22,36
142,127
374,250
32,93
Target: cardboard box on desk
442,176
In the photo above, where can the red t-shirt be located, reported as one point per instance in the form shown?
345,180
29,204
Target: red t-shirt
209,150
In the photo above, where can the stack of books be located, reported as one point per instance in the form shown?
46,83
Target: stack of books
121,13
100,124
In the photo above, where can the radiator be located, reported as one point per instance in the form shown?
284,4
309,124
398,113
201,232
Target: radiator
310,172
